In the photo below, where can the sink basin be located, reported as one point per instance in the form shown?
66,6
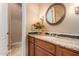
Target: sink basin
47,36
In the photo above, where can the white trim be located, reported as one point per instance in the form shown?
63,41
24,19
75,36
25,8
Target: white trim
24,29
3,29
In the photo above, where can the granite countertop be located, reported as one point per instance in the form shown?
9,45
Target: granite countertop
66,42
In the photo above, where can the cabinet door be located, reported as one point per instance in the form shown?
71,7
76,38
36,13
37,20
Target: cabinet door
30,47
41,52
46,45
58,51
65,52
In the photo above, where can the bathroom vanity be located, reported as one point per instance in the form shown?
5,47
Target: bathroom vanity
39,45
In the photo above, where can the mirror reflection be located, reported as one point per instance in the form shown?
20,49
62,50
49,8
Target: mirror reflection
55,13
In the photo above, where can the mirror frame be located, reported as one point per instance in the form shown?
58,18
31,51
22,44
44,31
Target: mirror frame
61,19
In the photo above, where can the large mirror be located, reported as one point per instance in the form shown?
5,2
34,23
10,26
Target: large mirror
55,13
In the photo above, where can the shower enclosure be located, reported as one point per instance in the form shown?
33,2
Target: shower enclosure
14,28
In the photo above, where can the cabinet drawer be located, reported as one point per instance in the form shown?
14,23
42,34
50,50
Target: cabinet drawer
41,52
47,46
31,39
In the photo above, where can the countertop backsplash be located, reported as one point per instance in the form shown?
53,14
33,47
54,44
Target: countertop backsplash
76,36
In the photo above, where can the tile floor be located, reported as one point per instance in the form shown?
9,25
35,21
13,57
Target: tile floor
16,50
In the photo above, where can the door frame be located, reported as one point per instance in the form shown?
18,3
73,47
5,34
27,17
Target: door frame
24,29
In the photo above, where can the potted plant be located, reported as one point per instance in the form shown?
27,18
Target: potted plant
39,26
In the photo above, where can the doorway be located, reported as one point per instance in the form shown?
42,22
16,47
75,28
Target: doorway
14,29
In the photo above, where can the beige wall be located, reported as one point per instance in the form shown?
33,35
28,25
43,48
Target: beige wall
32,14
69,25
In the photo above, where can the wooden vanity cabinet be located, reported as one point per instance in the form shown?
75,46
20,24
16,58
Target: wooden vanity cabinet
38,47
31,46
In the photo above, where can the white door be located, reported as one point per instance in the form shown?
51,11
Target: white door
3,29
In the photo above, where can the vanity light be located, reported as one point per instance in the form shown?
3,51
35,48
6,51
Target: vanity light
77,10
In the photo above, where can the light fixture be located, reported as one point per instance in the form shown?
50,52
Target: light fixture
77,10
